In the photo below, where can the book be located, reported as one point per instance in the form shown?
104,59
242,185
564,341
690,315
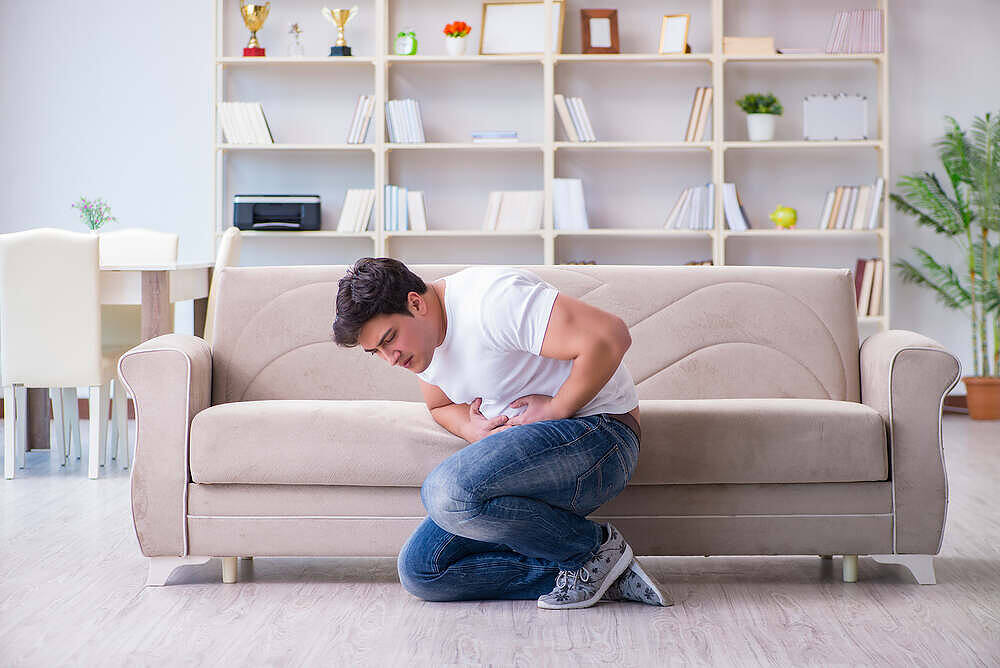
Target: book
706,105
864,296
564,115
367,121
672,215
748,46
695,111
710,206
366,211
876,208
850,197
243,118
494,134
569,211
356,119
834,212
856,31
263,130
492,210
417,211
588,128
347,212
495,140
733,208
859,270
521,210
875,302
861,210
827,207
227,123
574,112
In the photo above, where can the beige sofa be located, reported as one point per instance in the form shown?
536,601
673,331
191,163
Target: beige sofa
766,429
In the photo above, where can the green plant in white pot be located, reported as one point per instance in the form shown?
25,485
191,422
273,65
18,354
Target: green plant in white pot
970,219
761,110
94,213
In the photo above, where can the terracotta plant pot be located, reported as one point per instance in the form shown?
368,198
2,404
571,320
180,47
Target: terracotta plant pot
983,397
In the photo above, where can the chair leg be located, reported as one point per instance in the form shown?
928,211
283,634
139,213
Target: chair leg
98,421
921,566
9,439
160,568
21,423
120,417
850,568
75,441
229,570
57,447
105,420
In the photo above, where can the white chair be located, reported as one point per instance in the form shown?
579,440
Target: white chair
228,255
131,246
50,336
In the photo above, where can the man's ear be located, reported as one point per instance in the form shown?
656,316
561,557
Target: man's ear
416,303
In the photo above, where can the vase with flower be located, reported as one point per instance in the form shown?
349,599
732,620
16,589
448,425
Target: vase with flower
455,34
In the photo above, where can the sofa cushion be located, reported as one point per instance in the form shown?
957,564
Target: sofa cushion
397,443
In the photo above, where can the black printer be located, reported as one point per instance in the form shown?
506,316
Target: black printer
276,212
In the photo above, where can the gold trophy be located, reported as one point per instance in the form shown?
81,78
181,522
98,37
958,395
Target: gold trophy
340,18
254,17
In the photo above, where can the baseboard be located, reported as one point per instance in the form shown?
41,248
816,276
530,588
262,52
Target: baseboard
955,403
83,408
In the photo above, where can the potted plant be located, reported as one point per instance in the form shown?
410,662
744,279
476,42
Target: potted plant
455,34
968,218
761,110
94,214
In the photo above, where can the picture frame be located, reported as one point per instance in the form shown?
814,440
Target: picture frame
518,28
599,30
674,33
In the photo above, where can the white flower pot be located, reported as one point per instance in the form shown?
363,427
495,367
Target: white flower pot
760,127
455,45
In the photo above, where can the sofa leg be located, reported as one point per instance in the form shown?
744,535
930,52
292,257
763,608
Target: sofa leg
826,556
247,558
850,568
160,568
921,566
229,570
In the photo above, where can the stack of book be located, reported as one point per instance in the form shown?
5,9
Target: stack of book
357,210
868,278
494,137
732,206
403,121
569,212
853,207
856,31
361,120
514,210
698,118
575,121
404,209
244,123
693,210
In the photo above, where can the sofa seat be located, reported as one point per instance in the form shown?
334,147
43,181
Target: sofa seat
397,443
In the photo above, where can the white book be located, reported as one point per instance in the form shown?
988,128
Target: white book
588,128
852,208
420,122
261,121
387,209
492,210
243,122
875,302
827,205
682,215
401,208
577,205
876,208
866,287
710,207
560,204
248,113
411,107
511,211
366,121
574,114
406,120
564,116
226,123
845,202
698,215
731,207
861,210
390,124
672,216
366,211
348,211
694,114
417,212
356,119
398,122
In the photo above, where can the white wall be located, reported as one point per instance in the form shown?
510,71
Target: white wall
113,99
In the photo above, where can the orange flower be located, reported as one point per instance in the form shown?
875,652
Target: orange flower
457,29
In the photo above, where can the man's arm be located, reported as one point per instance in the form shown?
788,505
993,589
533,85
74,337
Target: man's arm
458,418
596,342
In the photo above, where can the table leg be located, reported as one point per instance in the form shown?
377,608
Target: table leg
38,418
156,306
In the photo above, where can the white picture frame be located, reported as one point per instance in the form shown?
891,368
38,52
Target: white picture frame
518,28
674,32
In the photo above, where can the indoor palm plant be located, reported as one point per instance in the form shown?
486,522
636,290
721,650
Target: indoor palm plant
970,218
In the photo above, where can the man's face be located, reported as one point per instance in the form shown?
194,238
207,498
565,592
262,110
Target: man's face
401,340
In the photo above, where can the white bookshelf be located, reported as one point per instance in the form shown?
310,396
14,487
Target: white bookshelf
610,168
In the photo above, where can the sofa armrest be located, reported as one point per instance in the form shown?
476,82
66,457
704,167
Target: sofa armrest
905,377
170,378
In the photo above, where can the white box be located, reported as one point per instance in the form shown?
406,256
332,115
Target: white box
834,117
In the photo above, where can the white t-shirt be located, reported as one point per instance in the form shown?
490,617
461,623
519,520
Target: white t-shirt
497,317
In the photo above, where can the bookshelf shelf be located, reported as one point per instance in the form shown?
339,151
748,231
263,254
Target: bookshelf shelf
635,180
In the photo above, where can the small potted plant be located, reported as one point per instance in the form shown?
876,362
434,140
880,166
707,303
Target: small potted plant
455,34
761,110
94,213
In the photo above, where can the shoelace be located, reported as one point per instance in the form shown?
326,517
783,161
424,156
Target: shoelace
579,575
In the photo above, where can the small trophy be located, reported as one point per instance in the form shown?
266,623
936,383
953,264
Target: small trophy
340,18
254,17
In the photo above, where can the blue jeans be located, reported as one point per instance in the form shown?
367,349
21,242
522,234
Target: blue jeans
508,512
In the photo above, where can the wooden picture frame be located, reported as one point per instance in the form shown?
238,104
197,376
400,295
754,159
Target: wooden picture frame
599,30
674,33
518,28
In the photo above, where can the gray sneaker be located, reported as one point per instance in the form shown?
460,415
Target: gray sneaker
583,587
636,585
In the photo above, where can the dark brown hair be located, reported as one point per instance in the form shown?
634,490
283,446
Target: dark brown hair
372,287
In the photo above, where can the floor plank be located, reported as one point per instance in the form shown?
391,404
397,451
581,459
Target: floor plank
71,591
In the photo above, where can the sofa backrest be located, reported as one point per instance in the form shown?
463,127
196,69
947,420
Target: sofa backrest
697,332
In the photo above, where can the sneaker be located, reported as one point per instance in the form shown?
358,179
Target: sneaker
636,585
586,585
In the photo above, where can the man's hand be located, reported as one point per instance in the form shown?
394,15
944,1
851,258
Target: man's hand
540,408
479,426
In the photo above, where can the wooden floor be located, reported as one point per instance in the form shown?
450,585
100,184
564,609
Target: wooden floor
71,592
